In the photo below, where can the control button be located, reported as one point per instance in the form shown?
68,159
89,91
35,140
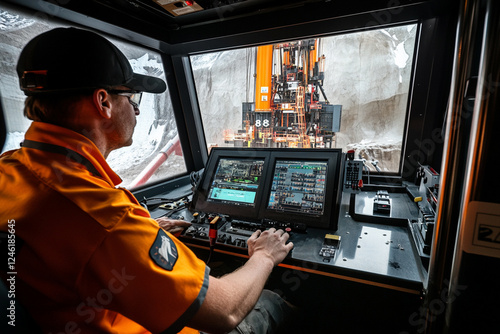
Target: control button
240,243
221,238
191,231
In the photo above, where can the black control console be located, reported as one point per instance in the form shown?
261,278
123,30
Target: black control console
426,198
236,232
223,230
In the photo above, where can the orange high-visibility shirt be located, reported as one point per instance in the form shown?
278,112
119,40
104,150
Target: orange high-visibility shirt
93,260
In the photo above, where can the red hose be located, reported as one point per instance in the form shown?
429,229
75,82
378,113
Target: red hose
173,146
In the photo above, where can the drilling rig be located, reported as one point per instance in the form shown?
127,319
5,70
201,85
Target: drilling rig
287,111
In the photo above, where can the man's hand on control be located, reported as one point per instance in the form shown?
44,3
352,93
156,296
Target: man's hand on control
230,298
174,226
271,243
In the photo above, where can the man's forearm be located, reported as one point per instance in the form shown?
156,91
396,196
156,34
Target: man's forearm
230,298
247,283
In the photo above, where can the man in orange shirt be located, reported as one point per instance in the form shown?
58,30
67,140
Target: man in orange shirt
88,257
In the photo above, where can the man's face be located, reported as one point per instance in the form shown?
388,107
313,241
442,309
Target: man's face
123,120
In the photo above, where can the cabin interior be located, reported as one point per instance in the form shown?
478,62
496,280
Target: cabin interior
399,100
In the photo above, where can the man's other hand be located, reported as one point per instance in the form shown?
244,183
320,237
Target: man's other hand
174,226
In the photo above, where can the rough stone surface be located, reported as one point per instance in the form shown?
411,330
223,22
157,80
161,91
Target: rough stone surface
368,73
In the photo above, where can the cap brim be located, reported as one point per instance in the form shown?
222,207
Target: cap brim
146,83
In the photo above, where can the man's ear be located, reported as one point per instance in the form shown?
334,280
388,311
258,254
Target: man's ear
102,102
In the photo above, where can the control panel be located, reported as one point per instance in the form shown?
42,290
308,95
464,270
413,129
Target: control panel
224,230
382,202
429,178
236,232
427,205
425,226
426,199
353,175
331,245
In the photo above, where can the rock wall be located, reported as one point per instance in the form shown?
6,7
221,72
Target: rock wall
224,80
368,73
155,125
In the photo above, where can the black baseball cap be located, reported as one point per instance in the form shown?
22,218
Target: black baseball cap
71,59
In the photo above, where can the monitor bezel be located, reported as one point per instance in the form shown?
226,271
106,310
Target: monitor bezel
200,196
329,218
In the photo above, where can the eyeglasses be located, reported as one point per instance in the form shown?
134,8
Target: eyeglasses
134,97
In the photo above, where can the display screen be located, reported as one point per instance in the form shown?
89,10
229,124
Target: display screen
285,185
236,181
299,186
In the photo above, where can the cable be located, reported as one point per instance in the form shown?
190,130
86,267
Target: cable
154,202
211,251
375,164
195,177
171,212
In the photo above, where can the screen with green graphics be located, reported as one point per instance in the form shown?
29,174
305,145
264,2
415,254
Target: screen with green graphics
236,181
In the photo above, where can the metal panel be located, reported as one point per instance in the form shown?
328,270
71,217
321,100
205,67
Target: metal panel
183,94
474,288
330,117
453,171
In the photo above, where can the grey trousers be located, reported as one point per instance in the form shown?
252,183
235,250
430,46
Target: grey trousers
270,315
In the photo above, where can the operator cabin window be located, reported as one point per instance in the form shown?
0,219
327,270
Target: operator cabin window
347,91
156,130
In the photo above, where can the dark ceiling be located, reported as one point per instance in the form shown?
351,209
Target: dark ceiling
238,20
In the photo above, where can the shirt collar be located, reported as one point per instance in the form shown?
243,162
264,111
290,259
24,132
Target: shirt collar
60,136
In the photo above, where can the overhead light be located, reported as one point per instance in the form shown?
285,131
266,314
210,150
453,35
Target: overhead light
177,8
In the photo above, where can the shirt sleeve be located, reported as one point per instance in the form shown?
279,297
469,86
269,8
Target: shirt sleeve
146,274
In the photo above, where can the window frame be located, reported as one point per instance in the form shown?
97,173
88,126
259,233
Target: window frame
430,79
382,177
121,36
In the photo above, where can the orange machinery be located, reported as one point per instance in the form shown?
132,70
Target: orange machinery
287,111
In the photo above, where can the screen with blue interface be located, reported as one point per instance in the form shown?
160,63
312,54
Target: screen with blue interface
236,181
299,186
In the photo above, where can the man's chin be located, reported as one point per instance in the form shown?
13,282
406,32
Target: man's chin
126,144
